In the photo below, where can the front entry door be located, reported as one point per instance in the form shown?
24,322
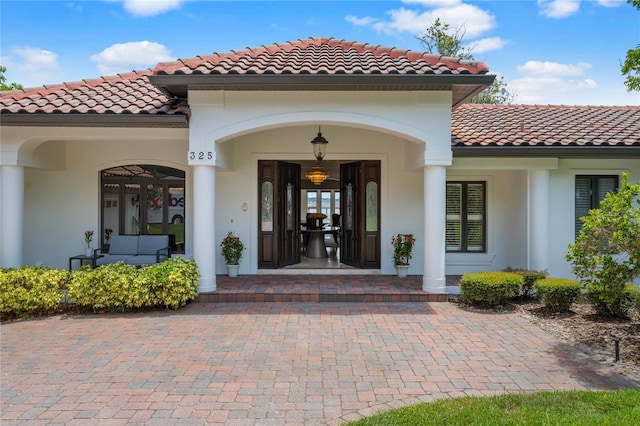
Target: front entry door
279,210
360,207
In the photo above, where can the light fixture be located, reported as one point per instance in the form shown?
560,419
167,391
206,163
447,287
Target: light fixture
318,174
319,146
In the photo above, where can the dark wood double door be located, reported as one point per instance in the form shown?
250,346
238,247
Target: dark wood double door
279,214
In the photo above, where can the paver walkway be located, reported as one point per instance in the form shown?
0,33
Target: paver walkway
269,364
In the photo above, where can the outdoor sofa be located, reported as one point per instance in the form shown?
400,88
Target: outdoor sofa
136,250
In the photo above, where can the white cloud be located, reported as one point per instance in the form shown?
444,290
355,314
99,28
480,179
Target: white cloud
558,8
536,68
146,8
487,45
611,3
360,22
30,66
433,3
471,19
124,57
553,82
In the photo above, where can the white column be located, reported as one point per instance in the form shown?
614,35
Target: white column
538,219
204,242
11,215
435,184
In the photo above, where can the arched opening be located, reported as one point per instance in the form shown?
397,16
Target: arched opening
143,199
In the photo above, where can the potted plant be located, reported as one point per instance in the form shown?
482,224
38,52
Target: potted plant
402,252
88,236
232,249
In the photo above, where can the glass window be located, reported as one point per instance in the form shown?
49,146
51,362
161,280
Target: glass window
590,190
163,212
466,217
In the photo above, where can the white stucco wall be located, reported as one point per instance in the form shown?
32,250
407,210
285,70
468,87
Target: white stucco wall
61,204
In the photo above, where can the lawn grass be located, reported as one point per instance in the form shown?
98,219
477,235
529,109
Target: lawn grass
579,408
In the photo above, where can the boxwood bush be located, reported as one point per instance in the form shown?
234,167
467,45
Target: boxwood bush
28,290
490,288
121,287
530,277
558,294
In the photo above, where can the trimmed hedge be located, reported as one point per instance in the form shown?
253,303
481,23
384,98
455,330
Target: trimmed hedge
121,287
530,277
490,288
611,302
31,289
558,294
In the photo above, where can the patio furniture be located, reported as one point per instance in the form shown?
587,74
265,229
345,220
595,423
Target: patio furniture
135,250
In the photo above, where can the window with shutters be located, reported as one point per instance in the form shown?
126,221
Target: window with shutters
466,217
590,190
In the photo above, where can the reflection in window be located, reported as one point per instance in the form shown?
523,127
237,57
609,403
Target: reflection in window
162,210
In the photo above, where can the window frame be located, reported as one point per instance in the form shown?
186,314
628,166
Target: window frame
594,200
464,225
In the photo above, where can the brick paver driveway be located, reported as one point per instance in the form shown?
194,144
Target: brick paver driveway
279,363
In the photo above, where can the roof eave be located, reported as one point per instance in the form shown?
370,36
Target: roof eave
178,85
95,120
624,151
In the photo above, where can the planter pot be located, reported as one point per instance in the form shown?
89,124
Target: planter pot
88,252
232,270
402,270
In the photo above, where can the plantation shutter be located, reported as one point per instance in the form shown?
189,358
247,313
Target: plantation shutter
590,190
583,199
454,217
475,217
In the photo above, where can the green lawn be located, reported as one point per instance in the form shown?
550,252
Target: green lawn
579,408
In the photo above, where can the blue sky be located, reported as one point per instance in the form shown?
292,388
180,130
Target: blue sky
549,51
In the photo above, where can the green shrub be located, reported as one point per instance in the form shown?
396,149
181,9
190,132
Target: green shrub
30,289
610,302
530,277
490,288
120,287
558,294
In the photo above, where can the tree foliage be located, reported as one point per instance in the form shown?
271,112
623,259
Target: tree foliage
3,85
440,38
631,65
606,253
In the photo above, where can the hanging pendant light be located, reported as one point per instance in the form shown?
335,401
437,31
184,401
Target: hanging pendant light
318,174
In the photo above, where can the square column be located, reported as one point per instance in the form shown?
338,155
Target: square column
435,188
538,220
204,208
11,215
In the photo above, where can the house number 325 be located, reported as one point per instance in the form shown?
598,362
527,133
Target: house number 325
200,155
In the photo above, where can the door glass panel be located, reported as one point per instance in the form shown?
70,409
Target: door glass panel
475,217
349,213
289,220
267,206
336,202
372,206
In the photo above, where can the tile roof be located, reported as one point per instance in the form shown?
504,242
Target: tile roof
321,56
124,94
545,126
